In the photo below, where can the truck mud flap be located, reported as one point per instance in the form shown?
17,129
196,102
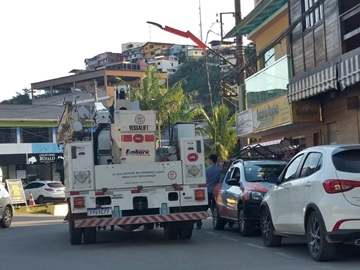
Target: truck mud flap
175,217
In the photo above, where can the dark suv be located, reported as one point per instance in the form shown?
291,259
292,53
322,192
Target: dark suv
238,196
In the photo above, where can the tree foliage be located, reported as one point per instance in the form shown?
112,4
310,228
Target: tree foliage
220,131
19,98
172,104
193,72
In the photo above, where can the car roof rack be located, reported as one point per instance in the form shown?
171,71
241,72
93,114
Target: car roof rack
269,150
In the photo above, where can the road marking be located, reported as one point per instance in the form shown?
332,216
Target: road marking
255,246
230,238
212,233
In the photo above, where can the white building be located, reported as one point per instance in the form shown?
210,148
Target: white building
195,53
167,64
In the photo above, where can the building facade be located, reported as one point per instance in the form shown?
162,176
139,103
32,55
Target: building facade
102,60
28,148
150,48
313,78
168,64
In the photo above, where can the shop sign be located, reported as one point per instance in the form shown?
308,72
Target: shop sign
42,158
306,111
244,123
274,113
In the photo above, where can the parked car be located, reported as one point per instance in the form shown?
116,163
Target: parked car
45,191
317,196
6,208
238,197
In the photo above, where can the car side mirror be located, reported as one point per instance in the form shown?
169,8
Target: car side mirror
233,182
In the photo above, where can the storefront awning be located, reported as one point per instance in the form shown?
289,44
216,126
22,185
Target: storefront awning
312,85
349,71
264,10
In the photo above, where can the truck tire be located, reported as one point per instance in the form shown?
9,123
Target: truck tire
185,233
75,233
90,235
149,226
170,232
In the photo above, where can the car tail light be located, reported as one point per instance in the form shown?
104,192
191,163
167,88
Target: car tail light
338,186
50,189
199,194
79,202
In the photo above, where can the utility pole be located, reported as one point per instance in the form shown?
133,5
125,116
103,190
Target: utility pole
240,58
96,91
200,18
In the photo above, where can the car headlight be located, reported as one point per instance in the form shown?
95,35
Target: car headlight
256,196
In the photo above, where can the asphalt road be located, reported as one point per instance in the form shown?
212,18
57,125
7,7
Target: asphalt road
41,242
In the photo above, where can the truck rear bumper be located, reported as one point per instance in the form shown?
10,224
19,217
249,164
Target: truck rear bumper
132,220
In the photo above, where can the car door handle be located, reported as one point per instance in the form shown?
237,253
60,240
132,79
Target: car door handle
308,184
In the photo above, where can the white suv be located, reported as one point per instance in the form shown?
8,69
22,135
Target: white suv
317,195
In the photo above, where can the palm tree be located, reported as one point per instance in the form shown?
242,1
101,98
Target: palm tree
220,131
171,104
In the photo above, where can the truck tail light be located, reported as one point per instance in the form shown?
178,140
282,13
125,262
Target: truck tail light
337,186
199,194
79,202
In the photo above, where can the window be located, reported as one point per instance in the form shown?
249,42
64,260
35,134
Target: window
269,57
7,135
36,135
236,174
315,16
260,172
292,169
312,164
347,161
228,174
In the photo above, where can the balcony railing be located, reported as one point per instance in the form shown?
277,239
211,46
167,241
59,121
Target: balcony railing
269,82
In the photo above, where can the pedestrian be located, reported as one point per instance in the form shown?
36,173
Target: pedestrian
213,175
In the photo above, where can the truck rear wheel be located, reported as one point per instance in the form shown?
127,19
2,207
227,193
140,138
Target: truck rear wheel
75,233
90,235
185,233
171,232
149,226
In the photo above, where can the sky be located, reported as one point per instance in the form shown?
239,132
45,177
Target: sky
43,40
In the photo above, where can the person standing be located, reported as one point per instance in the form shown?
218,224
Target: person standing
213,175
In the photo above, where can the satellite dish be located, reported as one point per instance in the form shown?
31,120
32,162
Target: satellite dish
77,126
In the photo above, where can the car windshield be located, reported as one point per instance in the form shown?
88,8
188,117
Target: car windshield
261,172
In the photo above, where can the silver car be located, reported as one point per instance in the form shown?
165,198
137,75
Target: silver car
6,208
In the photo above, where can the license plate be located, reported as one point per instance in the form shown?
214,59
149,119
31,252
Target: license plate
99,211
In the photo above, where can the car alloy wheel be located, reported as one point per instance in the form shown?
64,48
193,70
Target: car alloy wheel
241,220
314,237
265,226
7,216
319,248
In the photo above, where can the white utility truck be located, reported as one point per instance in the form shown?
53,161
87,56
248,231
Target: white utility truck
118,176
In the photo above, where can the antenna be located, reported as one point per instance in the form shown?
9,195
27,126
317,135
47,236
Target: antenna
201,32
150,31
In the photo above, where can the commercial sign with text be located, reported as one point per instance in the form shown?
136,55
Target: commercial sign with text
244,123
306,111
276,112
